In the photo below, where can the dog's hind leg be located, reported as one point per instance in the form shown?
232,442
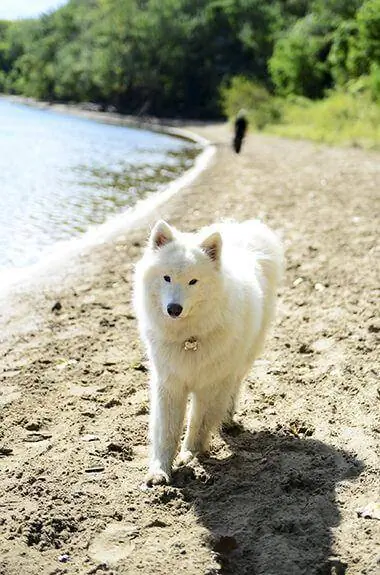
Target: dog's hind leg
228,420
206,413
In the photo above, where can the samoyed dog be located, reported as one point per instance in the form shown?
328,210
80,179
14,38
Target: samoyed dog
204,302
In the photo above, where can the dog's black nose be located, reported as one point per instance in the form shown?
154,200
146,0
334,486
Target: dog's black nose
174,309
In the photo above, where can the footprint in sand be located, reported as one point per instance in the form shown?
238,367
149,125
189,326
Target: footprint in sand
114,543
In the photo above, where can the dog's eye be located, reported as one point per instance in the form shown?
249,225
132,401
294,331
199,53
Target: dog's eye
192,282
167,279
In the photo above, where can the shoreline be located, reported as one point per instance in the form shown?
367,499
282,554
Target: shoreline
22,278
164,126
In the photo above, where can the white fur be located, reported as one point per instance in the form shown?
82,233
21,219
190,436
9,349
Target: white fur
227,311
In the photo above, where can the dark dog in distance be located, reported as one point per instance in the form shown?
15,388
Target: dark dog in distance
241,125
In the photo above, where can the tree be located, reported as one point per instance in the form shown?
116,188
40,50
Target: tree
299,62
364,49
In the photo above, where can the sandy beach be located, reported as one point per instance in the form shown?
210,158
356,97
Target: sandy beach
296,490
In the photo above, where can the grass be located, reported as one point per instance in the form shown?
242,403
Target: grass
339,119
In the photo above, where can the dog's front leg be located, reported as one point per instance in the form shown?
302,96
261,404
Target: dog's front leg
168,403
203,415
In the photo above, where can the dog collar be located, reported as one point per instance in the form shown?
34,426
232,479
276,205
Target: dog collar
191,344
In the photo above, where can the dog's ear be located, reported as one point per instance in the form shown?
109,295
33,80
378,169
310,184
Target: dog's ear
161,235
212,246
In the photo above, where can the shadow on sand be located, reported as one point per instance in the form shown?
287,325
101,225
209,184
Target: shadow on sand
270,506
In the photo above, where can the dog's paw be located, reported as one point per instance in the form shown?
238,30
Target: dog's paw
184,457
157,477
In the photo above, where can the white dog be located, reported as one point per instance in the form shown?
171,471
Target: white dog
204,303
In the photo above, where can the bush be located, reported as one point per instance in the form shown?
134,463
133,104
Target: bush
341,118
262,108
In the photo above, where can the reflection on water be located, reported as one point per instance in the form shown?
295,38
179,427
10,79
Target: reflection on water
61,174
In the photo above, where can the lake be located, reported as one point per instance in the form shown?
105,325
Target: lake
60,175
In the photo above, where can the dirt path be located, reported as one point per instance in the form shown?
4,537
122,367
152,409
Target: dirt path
279,498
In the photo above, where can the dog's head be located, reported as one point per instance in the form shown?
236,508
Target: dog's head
182,271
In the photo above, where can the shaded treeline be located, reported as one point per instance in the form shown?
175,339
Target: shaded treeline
171,57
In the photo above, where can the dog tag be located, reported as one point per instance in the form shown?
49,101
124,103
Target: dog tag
191,344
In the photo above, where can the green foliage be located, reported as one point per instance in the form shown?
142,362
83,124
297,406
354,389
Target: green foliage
356,44
374,82
344,38
298,65
336,10
262,108
341,118
164,57
368,18
366,48
171,57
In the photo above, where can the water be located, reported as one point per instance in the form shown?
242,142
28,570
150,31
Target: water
60,174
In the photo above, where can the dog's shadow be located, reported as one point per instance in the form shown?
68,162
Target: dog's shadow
271,504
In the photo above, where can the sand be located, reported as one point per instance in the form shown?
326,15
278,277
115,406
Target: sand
296,489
